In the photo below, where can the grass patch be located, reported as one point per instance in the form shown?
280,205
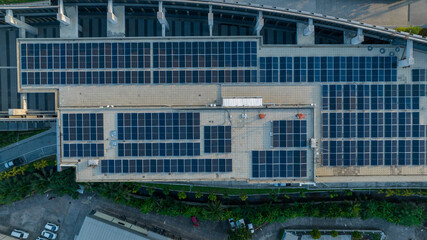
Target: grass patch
228,191
413,30
7,138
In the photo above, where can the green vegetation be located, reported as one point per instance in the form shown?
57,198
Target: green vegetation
7,138
32,180
315,233
239,234
229,191
37,179
356,235
411,29
403,192
334,234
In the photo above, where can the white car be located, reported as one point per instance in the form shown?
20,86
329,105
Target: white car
240,223
232,224
251,227
51,227
48,234
19,234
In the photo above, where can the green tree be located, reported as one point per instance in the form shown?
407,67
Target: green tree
182,195
166,191
315,233
215,210
334,234
239,234
150,191
356,235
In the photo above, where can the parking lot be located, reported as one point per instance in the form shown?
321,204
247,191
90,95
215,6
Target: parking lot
34,212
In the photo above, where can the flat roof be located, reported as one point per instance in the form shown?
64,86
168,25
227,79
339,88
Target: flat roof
365,114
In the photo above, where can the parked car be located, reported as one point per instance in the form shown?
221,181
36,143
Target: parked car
195,221
19,234
232,224
251,227
48,234
51,227
14,163
41,238
240,223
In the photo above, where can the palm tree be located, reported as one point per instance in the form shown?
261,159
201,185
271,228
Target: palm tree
216,210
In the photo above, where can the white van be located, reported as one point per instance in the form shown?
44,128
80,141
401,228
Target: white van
19,234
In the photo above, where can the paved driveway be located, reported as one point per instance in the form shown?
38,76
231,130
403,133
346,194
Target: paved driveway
31,149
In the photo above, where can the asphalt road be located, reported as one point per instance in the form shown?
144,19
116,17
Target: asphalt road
30,149
388,13
32,213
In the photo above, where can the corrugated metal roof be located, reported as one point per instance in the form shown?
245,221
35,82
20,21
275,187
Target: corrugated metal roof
96,229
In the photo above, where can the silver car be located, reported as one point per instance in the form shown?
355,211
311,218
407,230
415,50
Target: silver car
51,227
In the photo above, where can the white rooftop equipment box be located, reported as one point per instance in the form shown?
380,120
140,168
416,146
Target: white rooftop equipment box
242,102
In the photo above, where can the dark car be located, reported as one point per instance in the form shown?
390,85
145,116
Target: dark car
195,221
14,163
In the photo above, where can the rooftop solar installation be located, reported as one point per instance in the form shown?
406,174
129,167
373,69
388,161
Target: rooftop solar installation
83,150
161,149
158,126
371,125
289,133
279,164
217,139
205,165
419,75
124,62
83,127
328,69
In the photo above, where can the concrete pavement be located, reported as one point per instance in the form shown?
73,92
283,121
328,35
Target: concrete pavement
388,13
31,149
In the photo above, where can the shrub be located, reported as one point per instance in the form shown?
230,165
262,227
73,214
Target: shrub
315,233
243,197
356,235
334,234
198,195
166,191
182,195
212,197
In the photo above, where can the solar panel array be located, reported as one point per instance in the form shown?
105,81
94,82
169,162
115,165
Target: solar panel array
328,69
83,127
202,54
279,164
371,125
161,149
83,150
86,128
158,126
166,166
124,62
419,75
217,139
289,133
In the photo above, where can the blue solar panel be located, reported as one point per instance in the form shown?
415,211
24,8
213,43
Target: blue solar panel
419,75
83,150
83,127
158,149
328,69
289,133
382,124
166,166
217,139
158,126
279,164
